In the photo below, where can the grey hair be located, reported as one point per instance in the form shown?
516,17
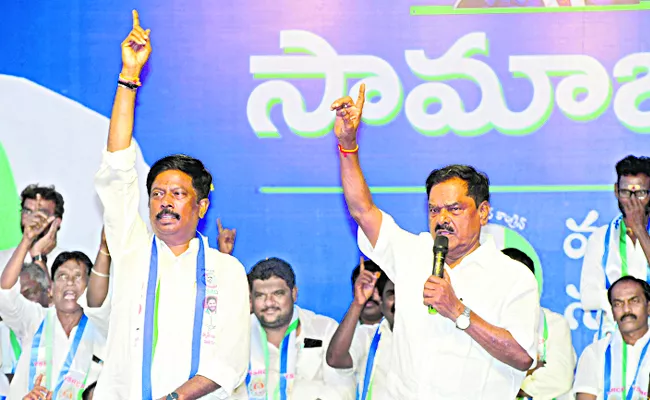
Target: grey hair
37,274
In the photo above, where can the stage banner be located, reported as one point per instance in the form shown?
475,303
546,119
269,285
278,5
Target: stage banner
545,96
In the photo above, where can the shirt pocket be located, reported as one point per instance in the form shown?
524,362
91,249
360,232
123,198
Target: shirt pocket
309,363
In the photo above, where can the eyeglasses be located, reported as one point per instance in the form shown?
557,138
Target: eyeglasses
639,194
27,212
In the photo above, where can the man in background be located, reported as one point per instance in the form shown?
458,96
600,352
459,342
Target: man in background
621,247
552,377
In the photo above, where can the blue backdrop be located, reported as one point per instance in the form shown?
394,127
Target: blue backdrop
544,102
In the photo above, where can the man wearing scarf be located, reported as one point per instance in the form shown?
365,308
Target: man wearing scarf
617,367
288,343
366,349
160,342
58,342
621,247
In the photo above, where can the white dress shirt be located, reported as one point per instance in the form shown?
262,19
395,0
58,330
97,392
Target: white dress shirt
24,317
555,379
590,376
224,359
314,378
360,349
9,360
593,291
431,357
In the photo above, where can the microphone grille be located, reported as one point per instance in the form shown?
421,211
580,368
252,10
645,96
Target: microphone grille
441,242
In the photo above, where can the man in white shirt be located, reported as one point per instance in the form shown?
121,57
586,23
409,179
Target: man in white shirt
46,200
484,335
623,246
366,349
552,377
288,343
160,345
617,366
371,312
59,341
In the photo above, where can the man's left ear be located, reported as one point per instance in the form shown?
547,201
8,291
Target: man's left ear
294,294
484,212
203,207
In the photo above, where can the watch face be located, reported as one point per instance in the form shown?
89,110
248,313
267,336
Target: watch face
462,322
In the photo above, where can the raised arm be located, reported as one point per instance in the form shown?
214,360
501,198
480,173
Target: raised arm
356,191
99,275
37,224
135,52
338,352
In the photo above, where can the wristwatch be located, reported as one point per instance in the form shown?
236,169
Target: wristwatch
462,322
39,257
172,396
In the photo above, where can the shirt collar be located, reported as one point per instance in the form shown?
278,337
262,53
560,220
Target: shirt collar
639,343
192,249
482,256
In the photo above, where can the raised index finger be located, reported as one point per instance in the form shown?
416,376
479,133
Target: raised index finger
361,99
361,263
136,18
219,226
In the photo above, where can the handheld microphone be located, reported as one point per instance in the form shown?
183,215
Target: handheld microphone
440,248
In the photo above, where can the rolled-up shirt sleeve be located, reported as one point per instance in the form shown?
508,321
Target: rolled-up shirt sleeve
392,239
521,314
117,185
225,362
18,313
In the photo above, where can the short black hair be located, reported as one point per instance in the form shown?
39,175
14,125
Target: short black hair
478,184
201,177
47,193
71,255
270,267
520,256
632,165
629,278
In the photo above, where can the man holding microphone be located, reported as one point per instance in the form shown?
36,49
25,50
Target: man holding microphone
482,339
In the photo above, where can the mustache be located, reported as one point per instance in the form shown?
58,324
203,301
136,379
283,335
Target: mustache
372,301
269,309
628,315
167,211
444,227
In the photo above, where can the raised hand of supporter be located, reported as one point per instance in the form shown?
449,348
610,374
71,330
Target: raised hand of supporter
226,238
136,49
37,223
364,286
39,392
348,118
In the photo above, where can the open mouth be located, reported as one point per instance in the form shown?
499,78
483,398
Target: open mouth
69,295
